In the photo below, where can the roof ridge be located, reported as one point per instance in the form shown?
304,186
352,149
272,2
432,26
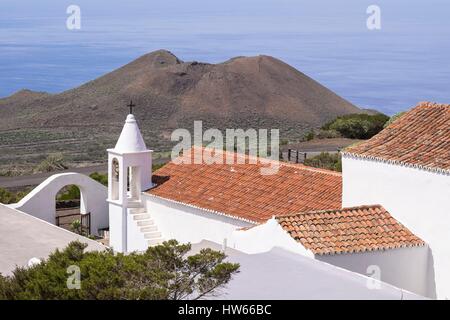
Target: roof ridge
268,161
430,104
365,206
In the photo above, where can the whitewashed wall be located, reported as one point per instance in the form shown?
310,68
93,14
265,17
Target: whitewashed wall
419,199
265,237
186,224
40,202
405,268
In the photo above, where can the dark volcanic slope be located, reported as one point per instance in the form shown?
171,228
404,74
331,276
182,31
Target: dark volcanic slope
240,93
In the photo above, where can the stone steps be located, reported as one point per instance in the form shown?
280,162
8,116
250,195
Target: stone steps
147,226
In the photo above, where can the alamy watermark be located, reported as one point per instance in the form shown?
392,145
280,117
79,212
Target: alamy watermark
73,21
373,22
239,146
74,278
374,277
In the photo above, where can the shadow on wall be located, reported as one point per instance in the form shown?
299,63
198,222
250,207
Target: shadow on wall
431,283
410,268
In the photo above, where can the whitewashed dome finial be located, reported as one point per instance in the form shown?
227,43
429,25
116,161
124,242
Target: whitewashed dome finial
130,139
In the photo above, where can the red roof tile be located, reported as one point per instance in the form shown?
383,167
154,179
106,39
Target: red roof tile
420,137
241,191
348,230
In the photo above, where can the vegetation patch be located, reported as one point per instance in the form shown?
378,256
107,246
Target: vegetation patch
8,197
165,271
326,160
357,126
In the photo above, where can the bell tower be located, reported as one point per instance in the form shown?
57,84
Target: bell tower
129,173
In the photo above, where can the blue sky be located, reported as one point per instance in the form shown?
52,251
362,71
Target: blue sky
390,69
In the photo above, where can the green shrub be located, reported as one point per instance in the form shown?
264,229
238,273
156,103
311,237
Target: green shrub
100,177
309,135
8,197
53,162
71,192
328,134
325,160
162,272
357,126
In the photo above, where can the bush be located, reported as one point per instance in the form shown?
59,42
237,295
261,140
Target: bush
8,197
100,177
328,134
71,192
162,272
357,126
325,160
309,135
53,162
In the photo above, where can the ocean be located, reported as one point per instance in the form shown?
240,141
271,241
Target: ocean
390,69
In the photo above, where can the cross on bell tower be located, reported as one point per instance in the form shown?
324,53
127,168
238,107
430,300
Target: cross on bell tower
131,105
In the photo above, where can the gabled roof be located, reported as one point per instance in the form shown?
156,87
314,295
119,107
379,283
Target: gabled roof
419,138
241,191
348,230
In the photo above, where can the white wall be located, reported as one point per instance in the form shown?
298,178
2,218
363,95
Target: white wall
186,224
135,238
405,268
419,199
265,237
117,227
40,202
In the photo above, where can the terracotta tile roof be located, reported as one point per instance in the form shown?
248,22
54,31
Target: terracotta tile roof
348,230
419,138
241,191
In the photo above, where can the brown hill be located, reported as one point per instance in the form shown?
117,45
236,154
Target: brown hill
257,92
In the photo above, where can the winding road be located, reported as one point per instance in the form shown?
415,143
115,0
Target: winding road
35,179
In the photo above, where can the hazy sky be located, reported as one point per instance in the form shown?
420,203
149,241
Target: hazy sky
389,69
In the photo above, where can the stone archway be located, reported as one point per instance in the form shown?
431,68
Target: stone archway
40,202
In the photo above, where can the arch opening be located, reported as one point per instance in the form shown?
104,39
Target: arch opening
115,175
71,210
133,183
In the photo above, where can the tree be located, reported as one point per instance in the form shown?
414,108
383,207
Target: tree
165,271
357,126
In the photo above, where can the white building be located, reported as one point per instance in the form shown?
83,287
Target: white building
233,204
406,168
387,219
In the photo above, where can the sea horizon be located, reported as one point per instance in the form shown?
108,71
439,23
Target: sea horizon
390,70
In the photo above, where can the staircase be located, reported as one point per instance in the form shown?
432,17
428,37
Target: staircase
147,226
